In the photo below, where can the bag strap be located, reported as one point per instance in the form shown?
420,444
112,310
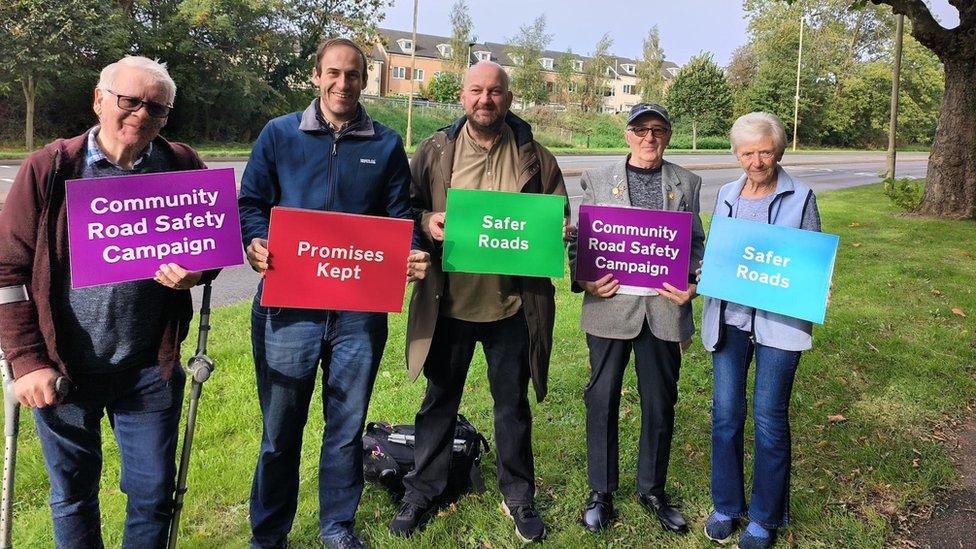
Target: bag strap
477,481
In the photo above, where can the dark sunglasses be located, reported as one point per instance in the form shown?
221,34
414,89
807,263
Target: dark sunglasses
133,104
656,132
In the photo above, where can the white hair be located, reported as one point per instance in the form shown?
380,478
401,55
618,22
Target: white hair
756,125
157,74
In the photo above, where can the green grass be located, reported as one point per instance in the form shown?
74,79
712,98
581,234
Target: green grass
892,358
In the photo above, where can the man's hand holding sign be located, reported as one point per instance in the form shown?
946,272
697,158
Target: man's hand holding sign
336,261
634,251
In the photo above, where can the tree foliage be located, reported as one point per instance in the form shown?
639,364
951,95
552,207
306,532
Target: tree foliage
650,69
42,40
950,189
700,94
593,84
525,51
236,63
565,79
444,88
461,37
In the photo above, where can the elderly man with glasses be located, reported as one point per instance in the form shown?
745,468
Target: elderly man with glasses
653,326
119,344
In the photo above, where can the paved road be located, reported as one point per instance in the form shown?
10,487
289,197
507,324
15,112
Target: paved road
823,172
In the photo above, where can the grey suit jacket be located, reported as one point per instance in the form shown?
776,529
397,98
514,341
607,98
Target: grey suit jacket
623,316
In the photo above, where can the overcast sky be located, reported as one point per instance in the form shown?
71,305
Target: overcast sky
686,27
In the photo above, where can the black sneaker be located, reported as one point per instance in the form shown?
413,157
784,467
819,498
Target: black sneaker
345,540
410,518
528,524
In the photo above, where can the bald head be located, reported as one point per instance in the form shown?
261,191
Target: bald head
485,97
483,69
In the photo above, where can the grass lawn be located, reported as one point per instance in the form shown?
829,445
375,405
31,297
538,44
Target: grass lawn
893,360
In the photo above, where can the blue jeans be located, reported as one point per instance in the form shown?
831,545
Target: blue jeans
288,346
775,370
144,412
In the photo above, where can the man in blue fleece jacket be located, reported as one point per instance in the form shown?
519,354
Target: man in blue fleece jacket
331,157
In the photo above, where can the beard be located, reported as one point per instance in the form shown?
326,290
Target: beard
492,127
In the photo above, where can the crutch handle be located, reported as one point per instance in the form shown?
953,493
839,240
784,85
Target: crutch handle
11,408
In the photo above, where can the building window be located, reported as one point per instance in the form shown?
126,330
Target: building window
573,87
609,92
445,50
418,75
405,44
550,87
483,55
628,89
673,71
577,65
399,73
516,59
546,63
628,67
611,72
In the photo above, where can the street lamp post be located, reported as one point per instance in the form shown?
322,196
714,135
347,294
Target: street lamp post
796,99
413,72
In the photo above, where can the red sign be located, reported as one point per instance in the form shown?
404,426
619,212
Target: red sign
337,261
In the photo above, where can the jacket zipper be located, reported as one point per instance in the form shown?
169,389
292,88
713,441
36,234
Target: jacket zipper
330,201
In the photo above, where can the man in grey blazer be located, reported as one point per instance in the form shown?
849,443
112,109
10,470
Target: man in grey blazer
654,326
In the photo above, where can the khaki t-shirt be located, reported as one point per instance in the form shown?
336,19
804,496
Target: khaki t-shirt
482,297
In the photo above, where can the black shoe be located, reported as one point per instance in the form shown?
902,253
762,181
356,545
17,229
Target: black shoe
667,514
598,512
528,524
345,540
410,518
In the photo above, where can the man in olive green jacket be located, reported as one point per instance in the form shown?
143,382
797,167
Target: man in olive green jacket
487,149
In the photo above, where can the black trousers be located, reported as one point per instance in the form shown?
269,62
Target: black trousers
658,363
506,346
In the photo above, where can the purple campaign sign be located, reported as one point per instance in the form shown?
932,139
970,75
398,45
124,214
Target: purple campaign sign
124,228
642,248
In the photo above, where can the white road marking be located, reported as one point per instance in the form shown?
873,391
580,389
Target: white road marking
5,166
865,174
7,179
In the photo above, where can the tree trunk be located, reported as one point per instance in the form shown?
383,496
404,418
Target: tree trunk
694,135
30,93
950,191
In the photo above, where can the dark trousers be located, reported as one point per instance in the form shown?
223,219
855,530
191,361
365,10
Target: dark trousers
506,346
658,363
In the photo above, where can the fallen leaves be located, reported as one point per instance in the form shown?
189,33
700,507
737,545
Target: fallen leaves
936,292
834,419
959,312
854,225
855,244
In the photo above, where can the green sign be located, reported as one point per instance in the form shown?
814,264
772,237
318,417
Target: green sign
491,232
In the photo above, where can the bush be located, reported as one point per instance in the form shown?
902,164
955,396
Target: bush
905,193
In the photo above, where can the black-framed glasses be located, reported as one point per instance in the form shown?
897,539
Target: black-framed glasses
656,131
133,104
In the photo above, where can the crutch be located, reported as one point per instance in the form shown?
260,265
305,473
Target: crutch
200,366
11,425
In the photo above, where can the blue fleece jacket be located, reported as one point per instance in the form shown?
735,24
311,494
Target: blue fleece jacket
299,162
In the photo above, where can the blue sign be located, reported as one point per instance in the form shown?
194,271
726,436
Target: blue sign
778,269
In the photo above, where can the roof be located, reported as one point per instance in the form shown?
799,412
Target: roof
427,46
